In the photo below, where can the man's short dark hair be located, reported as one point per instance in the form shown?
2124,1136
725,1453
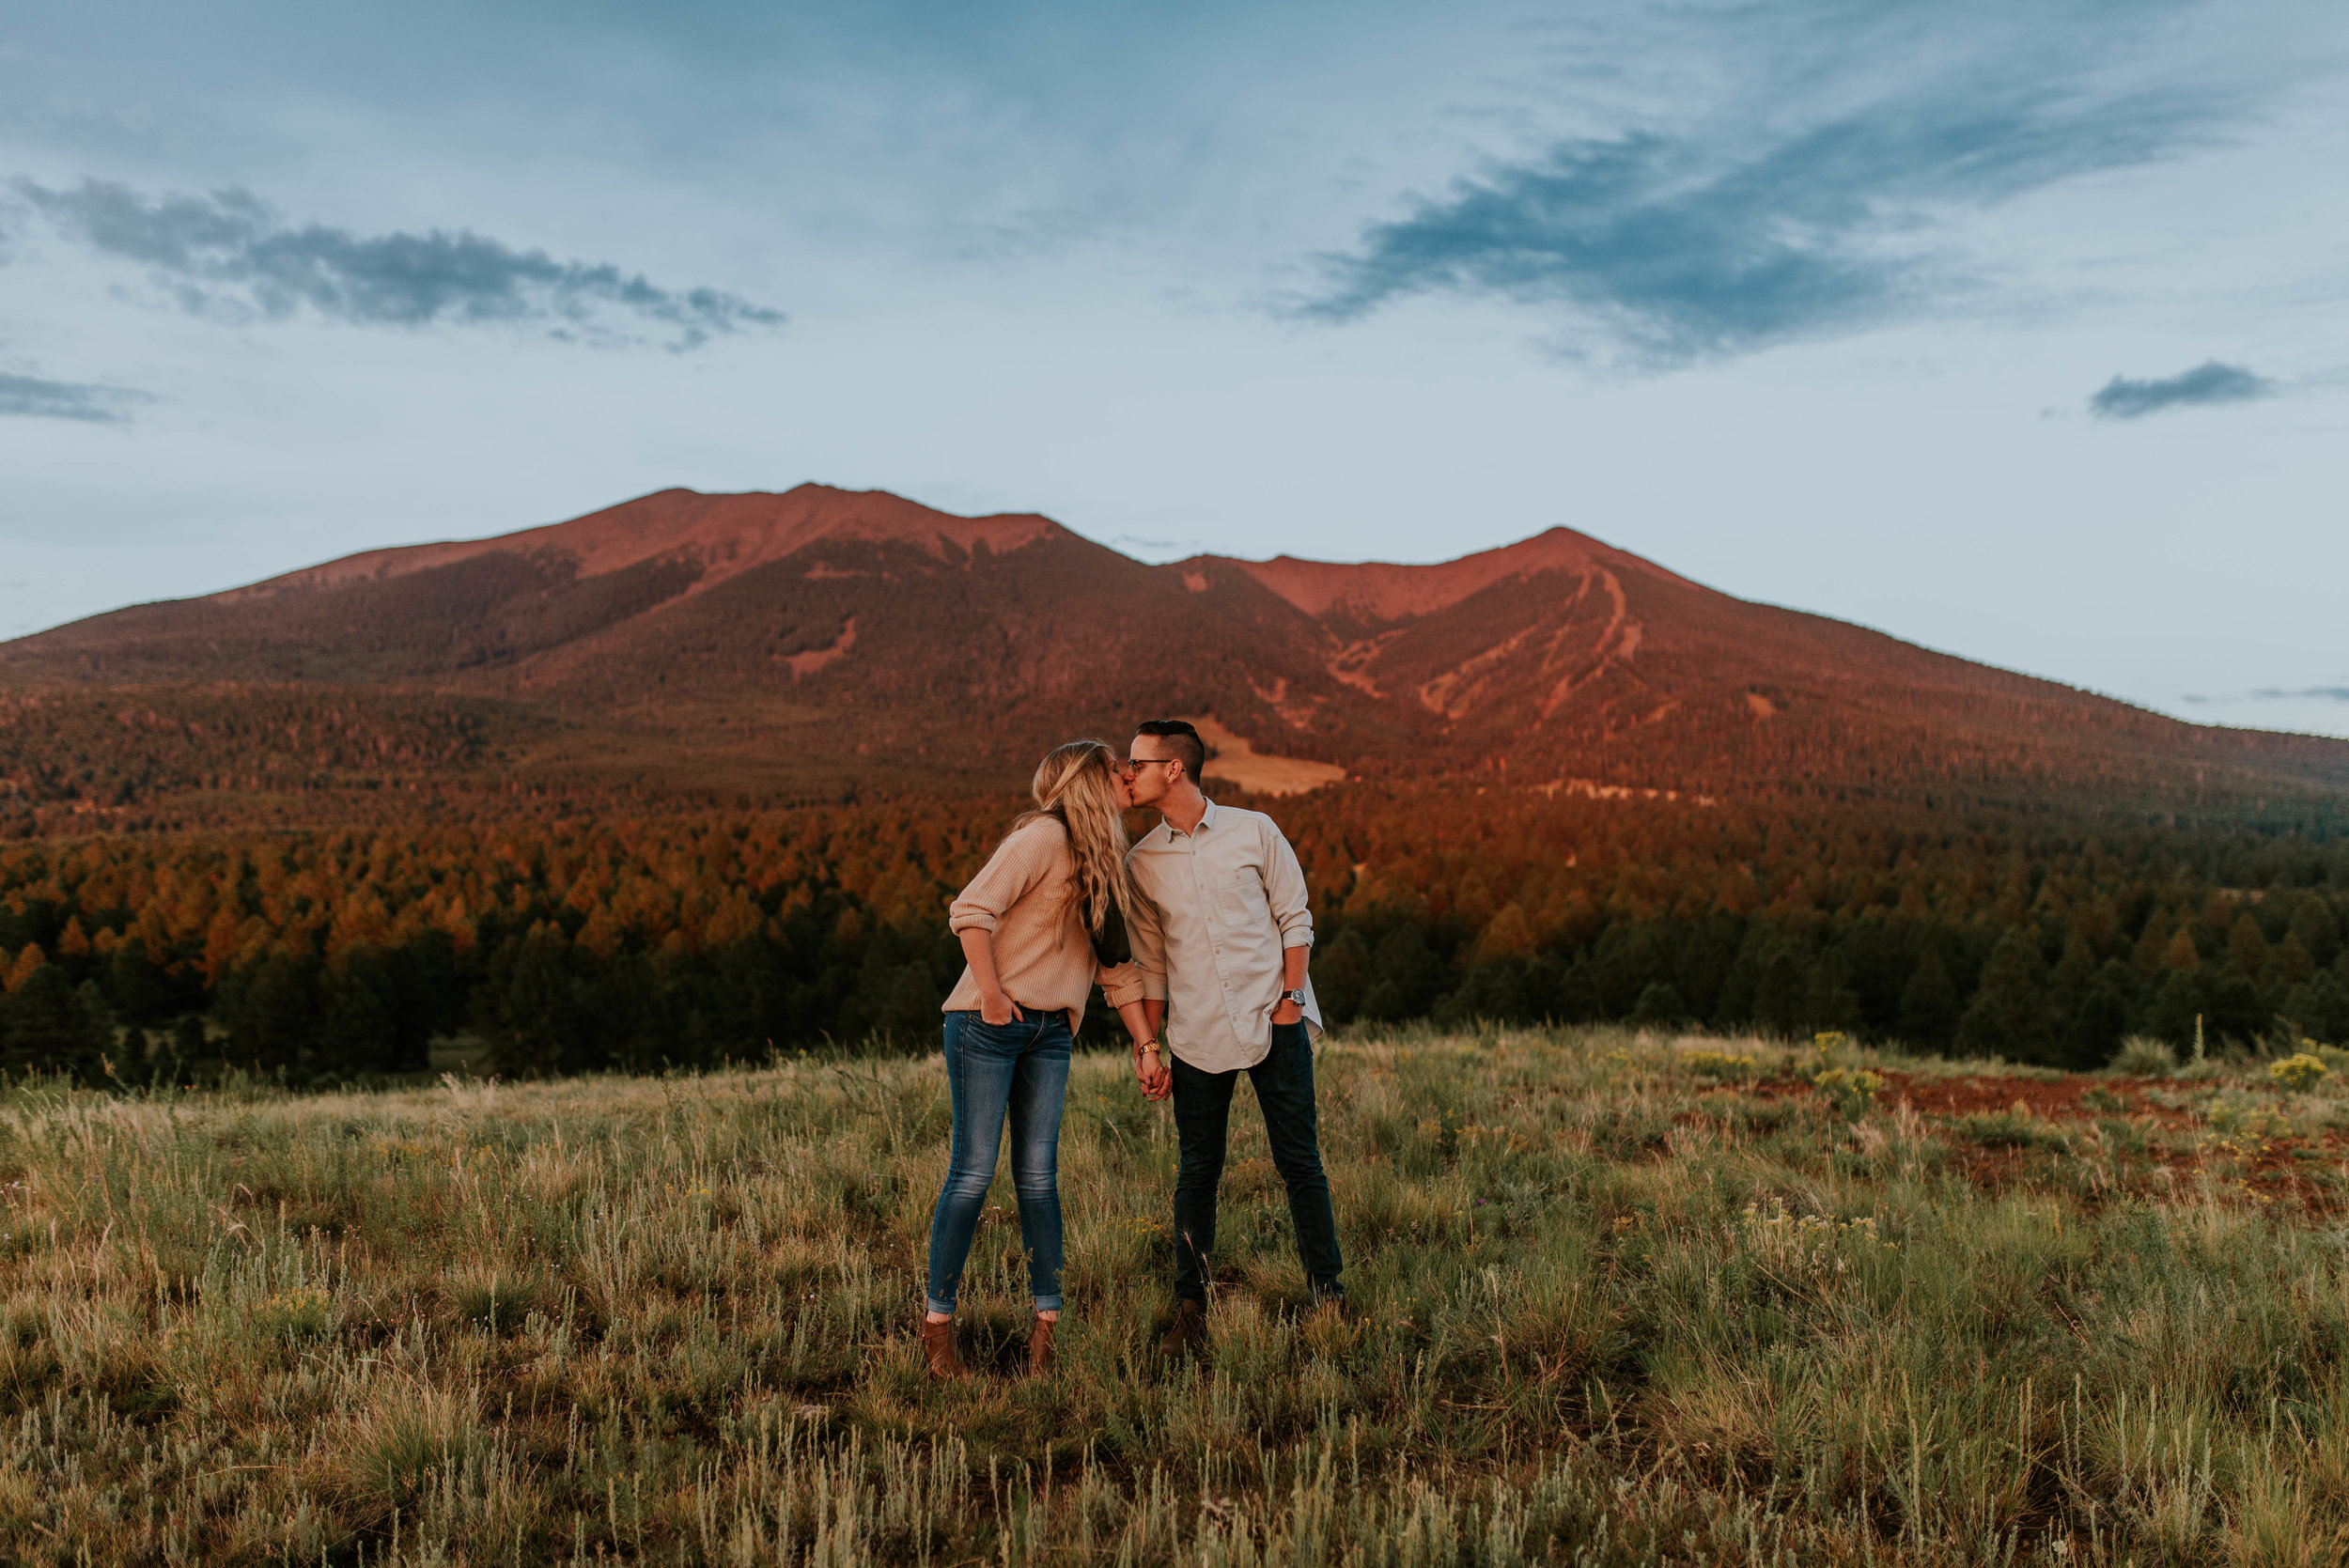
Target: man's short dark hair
1186,748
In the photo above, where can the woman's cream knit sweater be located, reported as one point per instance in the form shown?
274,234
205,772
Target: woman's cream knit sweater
1026,896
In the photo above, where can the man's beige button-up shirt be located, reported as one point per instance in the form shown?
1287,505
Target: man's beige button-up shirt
1217,907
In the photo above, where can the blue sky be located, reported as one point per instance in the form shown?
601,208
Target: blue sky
2020,330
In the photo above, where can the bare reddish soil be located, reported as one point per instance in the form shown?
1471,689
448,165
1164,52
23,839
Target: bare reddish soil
2052,1099
2279,1167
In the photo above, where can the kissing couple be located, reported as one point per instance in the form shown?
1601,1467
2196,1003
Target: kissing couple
1213,903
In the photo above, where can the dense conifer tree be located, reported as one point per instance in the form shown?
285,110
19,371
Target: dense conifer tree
1929,1007
1660,1004
2008,1016
52,1025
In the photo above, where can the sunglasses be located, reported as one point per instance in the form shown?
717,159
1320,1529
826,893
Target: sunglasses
1128,767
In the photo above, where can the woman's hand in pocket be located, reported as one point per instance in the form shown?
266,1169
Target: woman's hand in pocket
998,1009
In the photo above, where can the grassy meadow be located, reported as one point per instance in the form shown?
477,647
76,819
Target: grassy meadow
1620,1298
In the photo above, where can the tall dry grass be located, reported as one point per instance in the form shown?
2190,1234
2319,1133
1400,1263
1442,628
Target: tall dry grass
1613,1308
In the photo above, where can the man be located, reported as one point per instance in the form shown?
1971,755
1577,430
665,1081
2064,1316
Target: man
1221,933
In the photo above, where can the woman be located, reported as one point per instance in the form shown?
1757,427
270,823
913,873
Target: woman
1037,925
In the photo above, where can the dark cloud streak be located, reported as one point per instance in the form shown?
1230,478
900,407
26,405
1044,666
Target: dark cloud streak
2206,383
31,398
1683,244
230,253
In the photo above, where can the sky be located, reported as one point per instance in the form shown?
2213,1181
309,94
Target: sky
2017,330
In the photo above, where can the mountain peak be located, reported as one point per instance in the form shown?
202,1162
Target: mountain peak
728,533
1393,591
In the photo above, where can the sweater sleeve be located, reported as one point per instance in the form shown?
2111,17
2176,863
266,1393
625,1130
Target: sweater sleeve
1120,982
1017,864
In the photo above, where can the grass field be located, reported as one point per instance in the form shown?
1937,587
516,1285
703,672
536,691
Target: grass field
1620,1300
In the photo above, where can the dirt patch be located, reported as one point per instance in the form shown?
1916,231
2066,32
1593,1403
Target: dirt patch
2052,1099
1990,1169
2290,1171
2287,1171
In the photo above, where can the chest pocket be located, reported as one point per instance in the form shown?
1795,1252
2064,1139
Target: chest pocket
1242,904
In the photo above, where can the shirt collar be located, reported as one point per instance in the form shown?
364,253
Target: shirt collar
1206,820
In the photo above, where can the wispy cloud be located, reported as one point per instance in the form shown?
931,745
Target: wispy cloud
1754,226
31,398
2208,382
1154,547
231,253
2276,694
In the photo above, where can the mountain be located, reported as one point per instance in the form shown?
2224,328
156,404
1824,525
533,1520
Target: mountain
820,640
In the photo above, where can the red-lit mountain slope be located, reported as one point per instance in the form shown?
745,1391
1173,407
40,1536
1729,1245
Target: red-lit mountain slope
801,642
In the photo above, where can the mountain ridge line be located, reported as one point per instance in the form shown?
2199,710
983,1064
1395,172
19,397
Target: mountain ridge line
818,637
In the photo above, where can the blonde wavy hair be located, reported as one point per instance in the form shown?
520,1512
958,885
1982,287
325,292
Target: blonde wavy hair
1074,786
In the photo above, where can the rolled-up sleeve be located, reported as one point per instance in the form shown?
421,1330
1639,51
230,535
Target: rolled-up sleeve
1284,889
1149,943
1009,873
1121,984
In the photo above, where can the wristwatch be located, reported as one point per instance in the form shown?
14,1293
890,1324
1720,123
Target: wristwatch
1297,996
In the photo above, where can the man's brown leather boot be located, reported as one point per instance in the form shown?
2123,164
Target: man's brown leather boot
1189,1333
938,1340
1040,1347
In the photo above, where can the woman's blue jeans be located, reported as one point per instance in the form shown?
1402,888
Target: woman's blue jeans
1017,1071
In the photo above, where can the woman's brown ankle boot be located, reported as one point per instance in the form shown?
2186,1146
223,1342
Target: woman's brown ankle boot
1040,1347
937,1342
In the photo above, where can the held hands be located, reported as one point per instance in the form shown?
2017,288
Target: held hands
998,1009
1151,1071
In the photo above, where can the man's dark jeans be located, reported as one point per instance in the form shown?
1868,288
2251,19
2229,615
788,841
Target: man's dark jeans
1203,1111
